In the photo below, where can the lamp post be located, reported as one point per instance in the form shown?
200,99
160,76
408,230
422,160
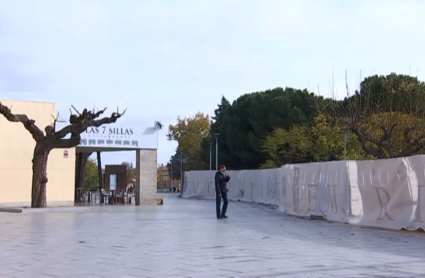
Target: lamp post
158,126
216,150
345,144
210,153
181,168
345,158
171,175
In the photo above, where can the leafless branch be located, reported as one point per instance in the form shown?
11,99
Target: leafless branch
68,143
75,109
387,115
79,123
29,124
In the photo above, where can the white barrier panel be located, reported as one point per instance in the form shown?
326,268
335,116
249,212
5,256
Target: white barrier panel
305,189
416,177
260,186
319,189
386,193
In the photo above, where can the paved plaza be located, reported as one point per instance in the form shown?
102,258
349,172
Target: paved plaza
184,239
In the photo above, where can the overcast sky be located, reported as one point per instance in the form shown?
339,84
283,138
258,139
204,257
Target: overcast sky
162,59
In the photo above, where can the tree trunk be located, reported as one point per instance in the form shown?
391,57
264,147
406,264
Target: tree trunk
82,176
39,176
80,166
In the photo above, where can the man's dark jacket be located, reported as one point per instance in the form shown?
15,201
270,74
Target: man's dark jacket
221,181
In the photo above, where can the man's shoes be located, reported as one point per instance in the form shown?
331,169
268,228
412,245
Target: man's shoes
224,216
219,217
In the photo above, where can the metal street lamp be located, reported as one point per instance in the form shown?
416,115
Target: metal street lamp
345,144
181,172
158,126
210,153
216,150
345,158
171,175
181,168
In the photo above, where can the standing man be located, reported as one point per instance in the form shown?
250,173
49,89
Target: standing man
221,180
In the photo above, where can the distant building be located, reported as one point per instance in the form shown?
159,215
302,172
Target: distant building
163,181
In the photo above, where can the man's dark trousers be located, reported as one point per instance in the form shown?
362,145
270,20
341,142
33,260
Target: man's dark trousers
218,204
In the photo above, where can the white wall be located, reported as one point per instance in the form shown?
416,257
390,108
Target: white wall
379,193
16,153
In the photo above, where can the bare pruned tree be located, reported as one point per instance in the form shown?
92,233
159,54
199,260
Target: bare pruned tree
67,137
387,115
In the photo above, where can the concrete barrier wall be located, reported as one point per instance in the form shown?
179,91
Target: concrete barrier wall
380,193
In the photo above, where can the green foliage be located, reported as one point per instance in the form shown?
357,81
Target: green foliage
384,118
328,142
131,171
244,124
288,146
221,117
91,179
309,143
387,115
174,165
190,133
396,93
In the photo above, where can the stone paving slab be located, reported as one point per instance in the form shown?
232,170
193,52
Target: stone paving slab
48,209
183,238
